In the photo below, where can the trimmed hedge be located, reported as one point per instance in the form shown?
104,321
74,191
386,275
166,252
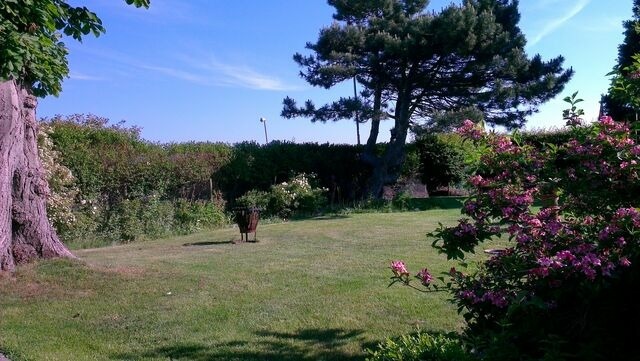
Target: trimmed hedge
257,167
114,166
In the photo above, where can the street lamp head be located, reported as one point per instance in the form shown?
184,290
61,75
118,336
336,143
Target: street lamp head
262,120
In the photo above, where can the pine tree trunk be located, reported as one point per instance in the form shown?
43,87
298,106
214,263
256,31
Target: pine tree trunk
386,169
25,231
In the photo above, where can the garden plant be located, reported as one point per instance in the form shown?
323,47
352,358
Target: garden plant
565,288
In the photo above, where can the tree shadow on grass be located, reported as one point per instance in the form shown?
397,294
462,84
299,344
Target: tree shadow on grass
304,345
206,243
328,217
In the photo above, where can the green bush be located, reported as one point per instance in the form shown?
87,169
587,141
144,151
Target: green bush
420,347
254,199
84,232
442,164
140,219
540,138
298,196
135,219
198,215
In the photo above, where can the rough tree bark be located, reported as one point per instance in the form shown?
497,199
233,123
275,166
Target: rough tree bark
385,169
25,231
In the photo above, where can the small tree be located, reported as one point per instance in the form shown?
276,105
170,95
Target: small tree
33,63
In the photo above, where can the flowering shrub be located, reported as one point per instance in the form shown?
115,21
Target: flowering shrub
62,184
567,283
298,195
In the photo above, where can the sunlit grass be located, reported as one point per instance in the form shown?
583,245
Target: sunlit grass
308,290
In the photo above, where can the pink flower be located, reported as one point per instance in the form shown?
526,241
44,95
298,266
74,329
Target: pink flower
553,227
541,272
425,277
502,144
478,181
508,211
608,268
607,121
498,298
399,268
626,212
566,256
624,262
470,130
589,272
544,261
469,296
592,259
534,222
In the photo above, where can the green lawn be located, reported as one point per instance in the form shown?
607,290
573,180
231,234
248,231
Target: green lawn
309,290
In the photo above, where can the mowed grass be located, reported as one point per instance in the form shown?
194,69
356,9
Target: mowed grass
308,290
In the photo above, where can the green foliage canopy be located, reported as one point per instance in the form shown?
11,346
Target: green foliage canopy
623,100
422,62
31,47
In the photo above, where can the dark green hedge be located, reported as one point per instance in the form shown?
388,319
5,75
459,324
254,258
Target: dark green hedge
113,163
253,166
541,137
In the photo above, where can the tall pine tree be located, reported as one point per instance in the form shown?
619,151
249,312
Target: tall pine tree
414,63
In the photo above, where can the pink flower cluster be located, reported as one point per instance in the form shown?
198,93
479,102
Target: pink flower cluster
495,298
400,272
399,268
425,277
590,235
470,130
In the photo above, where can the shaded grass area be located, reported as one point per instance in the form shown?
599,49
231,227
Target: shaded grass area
436,203
308,290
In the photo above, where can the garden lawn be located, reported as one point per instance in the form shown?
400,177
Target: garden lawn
309,290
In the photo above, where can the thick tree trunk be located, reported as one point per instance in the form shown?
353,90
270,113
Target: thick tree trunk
25,231
386,169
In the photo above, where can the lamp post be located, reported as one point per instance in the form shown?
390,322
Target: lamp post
355,96
264,122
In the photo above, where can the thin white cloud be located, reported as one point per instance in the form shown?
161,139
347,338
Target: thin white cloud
219,74
555,23
236,75
201,72
245,77
178,74
86,77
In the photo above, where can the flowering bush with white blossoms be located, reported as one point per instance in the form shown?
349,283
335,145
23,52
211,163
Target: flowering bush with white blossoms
298,195
62,184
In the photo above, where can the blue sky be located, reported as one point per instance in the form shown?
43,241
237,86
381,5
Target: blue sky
210,69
